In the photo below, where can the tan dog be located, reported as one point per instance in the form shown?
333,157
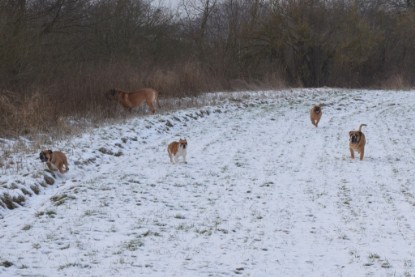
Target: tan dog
315,114
357,142
55,160
176,149
130,100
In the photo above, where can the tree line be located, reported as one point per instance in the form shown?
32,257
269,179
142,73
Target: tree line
76,49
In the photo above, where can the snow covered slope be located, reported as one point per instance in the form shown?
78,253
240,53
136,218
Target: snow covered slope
264,193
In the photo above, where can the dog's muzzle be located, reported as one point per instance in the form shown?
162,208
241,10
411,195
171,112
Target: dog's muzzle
354,139
43,157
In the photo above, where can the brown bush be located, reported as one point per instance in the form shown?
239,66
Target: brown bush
22,113
47,107
395,81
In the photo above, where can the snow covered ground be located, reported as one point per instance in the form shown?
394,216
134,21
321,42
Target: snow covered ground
264,193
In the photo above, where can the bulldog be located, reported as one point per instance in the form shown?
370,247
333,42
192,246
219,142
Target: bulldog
176,149
55,160
315,114
357,141
133,99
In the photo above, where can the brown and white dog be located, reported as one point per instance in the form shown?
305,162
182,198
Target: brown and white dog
357,141
315,114
133,99
55,160
176,149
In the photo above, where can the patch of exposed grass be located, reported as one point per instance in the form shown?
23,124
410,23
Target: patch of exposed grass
133,245
49,213
27,227
12,202
35,189
179,216
60,199
6,263
73,265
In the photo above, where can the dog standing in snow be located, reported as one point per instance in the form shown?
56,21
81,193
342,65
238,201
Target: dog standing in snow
357,142
315,114
131,100
55,160
176,149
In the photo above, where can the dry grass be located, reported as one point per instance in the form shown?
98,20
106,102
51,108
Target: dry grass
43,113
396,82
11,202
53,107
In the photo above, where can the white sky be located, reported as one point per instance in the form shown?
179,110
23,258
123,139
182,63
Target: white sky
167,3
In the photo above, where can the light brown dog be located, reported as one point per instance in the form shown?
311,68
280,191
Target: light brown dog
130,100
357,141
176,149
55,160
315,114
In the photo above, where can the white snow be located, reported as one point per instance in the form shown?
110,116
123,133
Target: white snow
264,193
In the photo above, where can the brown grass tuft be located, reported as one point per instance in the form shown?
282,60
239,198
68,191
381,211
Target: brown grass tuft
11,202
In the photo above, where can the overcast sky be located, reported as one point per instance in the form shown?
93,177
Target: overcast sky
167,3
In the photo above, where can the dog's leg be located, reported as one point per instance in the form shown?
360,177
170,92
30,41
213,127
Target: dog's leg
184,158
352,153
47,167
362,153
61,168
50,166
171,158
150,105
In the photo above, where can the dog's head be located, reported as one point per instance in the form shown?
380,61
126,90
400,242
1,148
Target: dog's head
45,155
317,109
354,136
183,143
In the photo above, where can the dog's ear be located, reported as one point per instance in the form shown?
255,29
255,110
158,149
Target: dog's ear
50,151
350,133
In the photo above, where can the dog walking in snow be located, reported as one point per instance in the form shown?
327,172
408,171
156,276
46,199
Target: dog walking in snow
177,149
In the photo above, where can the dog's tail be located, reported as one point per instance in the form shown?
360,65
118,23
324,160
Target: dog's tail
361,125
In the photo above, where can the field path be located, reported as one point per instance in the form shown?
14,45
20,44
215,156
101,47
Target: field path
264,193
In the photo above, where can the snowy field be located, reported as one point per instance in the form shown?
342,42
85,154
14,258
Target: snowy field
264,193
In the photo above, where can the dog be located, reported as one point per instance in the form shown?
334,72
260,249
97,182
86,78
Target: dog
357,141
131,100
315,114
55,160
176,149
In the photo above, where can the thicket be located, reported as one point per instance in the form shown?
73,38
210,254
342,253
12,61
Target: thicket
59,57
